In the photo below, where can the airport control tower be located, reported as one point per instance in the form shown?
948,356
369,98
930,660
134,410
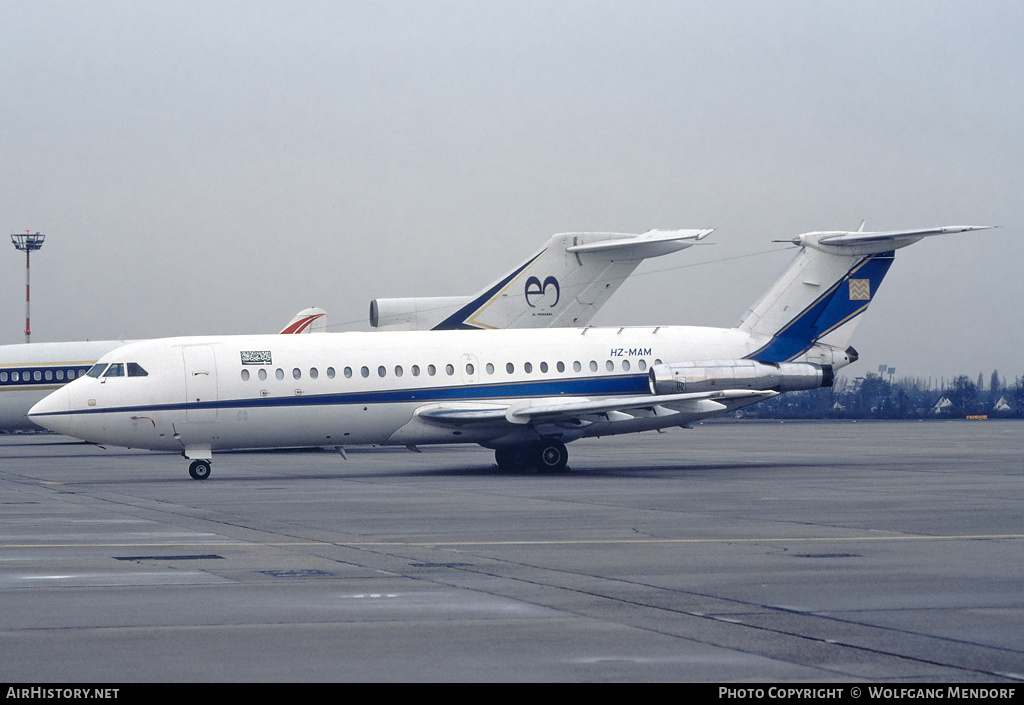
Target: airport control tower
28,243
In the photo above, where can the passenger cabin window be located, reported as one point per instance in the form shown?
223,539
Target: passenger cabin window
135,370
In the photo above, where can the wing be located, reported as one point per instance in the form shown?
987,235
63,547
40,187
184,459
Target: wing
496,419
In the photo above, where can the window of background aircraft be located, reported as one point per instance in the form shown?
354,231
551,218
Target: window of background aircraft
60,374
49,375
3,376
71,373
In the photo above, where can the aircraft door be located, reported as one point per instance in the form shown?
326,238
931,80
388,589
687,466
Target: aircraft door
200,382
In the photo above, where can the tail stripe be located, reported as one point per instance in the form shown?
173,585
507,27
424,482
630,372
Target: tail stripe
460,319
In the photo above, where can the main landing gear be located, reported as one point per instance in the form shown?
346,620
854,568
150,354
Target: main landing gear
199,469
546,455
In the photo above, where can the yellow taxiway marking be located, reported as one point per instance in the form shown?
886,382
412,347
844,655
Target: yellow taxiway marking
553,542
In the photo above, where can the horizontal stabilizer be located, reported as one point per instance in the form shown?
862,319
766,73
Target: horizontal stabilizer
864,243
653,243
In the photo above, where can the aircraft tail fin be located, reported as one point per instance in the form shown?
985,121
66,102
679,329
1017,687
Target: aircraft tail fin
820,296
561,285
308,320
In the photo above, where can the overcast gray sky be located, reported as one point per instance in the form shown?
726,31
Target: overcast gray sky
213,167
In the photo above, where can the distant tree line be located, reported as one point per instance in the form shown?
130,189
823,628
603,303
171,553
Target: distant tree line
872,397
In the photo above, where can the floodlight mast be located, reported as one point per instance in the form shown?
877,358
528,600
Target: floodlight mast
28,243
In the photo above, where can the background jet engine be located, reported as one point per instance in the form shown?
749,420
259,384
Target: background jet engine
718,375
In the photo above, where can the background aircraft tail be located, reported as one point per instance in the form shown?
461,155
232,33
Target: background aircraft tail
308,320
820,296
561,285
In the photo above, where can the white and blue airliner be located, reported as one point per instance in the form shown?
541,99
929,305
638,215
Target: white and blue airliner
523,393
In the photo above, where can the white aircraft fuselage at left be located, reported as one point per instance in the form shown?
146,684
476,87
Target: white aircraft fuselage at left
524,393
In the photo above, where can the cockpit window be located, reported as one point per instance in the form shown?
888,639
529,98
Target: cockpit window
115,370
97,369
135,370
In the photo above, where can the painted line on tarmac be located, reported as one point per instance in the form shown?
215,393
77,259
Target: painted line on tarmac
553,542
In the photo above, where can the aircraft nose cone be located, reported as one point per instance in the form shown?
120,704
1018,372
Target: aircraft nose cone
52,412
